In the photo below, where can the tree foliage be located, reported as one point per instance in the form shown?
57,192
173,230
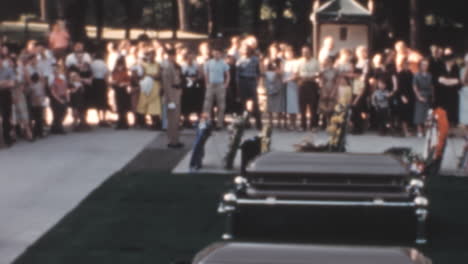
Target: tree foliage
273,19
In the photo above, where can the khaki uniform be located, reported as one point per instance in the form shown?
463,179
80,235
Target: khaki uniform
170,80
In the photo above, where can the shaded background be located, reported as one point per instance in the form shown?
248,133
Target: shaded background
441,22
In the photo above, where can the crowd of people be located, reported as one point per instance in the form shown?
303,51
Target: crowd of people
170,86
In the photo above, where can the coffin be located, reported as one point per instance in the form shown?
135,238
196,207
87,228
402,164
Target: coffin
322,197
258,253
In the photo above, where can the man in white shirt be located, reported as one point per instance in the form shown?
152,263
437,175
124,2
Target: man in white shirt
45,61
217,79
309,92
78,54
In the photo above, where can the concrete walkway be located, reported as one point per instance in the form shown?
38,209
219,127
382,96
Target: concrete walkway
216,148
41,182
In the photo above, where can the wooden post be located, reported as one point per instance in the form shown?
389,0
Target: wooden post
99,12
371,27
60,9
212,18
414,24
183,21
43,7
315,27
175,19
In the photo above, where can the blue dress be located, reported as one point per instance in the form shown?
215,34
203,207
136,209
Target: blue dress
292,89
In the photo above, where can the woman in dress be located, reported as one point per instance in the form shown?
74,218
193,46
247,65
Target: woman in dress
100,101
275,92
192,96
20,104
422,86
77,101
463,112
447,89
149,100
343,63
120,81
329,91
403,96
345,69
360,91
292,90
90,94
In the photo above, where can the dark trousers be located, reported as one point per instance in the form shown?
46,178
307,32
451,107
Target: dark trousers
122,100
256,113
248,87
5,111
140,120
382,118
59,110
37,116
356,116
196,161
309,96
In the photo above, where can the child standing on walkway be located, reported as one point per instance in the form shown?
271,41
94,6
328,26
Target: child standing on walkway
381,104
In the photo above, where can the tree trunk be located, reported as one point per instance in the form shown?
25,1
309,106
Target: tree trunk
175,19
60,8
127,5
75,14
99,8
304,25
133,11
43,7
231,11
414,24
256,6
183,22
279,7
211,18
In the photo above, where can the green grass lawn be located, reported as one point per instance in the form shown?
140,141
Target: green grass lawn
143,215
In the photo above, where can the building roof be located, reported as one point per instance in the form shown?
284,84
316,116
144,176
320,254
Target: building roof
343,11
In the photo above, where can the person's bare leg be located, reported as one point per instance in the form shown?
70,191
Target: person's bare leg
27,130
404,126
270,119
293,118
101,116
420,131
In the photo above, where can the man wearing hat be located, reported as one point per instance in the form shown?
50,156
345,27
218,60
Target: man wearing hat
172,88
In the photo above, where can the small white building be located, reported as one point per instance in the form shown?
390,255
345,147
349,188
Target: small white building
346,21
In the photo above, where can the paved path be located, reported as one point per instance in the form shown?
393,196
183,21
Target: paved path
216,148
41,182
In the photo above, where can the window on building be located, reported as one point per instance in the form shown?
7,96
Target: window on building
343,33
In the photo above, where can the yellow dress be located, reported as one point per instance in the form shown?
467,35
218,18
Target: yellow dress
150,104
345,94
